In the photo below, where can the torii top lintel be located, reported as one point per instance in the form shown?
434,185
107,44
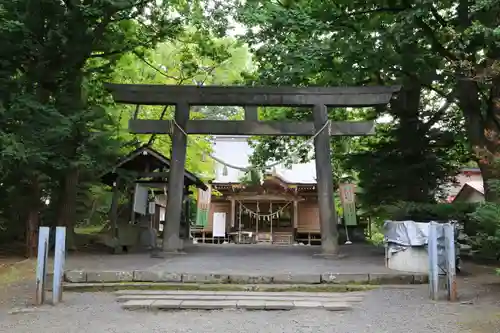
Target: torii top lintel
147,94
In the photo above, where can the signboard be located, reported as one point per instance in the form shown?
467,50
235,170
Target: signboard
203,207
219,225
140,199
348,203
152,207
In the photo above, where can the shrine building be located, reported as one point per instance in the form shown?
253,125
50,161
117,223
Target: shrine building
280,208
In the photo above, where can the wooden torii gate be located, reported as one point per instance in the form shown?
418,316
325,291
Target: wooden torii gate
183,97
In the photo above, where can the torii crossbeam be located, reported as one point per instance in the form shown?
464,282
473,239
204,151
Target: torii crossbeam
183,97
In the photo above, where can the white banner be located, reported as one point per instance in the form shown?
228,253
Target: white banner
219,225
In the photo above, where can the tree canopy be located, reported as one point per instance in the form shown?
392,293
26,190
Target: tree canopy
60,129
443,54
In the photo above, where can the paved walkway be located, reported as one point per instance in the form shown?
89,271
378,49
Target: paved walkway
242,259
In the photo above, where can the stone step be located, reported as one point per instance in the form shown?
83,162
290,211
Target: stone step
155,305
236,293
76,276
272,297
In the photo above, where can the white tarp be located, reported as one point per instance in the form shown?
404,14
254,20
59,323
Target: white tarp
219,225
401,235
406,233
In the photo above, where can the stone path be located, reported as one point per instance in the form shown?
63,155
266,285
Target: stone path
217,300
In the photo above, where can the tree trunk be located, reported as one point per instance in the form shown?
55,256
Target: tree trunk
406,108
491,169
33,221
67,206
483,130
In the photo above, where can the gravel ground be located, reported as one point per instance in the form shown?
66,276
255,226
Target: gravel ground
383,311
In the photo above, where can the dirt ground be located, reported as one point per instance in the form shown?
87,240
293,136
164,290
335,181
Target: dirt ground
17,281
479,288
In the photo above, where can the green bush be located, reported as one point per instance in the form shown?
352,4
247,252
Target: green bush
460,212
486,240
481,222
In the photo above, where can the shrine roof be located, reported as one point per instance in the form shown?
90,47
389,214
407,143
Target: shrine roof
146,157
237,151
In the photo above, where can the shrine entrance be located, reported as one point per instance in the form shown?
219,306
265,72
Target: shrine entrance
321,128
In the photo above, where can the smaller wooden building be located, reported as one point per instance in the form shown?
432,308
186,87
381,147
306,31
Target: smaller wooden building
141,177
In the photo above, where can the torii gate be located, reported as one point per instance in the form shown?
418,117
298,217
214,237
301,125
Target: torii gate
183,97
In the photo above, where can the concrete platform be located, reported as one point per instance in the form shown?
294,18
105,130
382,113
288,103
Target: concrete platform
237,300
242,264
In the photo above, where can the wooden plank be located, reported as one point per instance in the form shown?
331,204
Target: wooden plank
247,127
324,173
153,174
114,207
251,113
145,94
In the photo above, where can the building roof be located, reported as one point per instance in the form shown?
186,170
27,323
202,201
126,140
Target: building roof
472,186
236,151
147,157
470,170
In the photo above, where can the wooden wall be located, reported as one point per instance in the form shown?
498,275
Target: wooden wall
308,217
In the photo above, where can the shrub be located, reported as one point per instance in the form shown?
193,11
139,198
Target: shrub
486,240
459,212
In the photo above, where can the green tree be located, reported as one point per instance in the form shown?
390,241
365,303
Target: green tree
223,61
51,71
305,43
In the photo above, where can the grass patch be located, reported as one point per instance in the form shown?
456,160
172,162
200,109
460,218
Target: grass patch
217,287
17,272
89,230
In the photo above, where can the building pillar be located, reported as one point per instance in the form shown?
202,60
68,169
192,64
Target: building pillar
324,175
233,213
171,239
295,214
114,207
187,212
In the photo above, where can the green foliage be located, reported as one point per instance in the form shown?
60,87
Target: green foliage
184,61
429,212
59,129
443,212
486,240
431,158
251,178
487,216
354,43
